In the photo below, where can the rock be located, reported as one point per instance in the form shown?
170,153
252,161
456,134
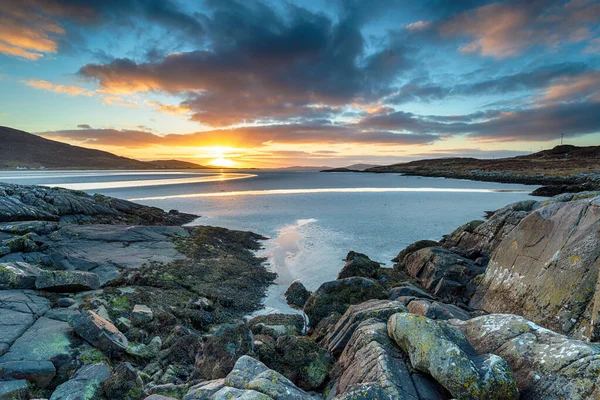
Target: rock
65,302
124,383
408,289
276,325
546,364
250,374
421,244
25,227
373,367
159,397
123,324
40,373
36,354
16,389
442,351
300,360
141,314
18,275
440,271
204,390
337,339
337,296
437,310
143,351
67,281
37,203
484,237
84,384
99,332
169,389
220,351
296,295
19,309
546,269
358,264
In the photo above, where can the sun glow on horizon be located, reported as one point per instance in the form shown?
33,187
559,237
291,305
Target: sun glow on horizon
222,162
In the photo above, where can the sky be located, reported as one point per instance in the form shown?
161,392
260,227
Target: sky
271,83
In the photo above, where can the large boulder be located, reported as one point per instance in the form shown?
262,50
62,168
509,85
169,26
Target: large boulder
373,367
358,264
546,269
437,349
337,339
546,364
418,245
84,385
296,295
440,271
18,275
99,332
482,238
67,281
251,375
338,295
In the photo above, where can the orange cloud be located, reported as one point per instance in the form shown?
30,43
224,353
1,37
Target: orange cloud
169,108
504,30
64,89
574,88
26,34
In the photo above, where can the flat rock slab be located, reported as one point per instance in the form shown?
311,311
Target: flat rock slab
67,281
29,357
108,249
84,384
18,275
18,311
39,372
15,389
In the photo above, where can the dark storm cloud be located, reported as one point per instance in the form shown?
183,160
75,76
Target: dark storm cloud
84,126
538,78
542,123
263,65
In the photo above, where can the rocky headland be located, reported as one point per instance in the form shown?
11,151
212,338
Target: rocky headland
106,299
563,169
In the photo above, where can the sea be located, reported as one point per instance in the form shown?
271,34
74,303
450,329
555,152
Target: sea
311,219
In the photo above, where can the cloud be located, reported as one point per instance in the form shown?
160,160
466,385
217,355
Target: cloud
118,101
535,79
246,137
262,65
506,29
84,126
574,88
169,108
64,89
542,123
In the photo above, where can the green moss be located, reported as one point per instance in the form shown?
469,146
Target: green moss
92,356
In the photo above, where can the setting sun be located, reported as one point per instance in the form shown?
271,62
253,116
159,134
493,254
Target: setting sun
222,162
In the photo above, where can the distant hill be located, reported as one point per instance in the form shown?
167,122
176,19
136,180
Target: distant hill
177,164
564,160
22,149
563,169
351,168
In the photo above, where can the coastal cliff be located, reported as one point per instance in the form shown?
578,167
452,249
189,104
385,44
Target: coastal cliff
102,298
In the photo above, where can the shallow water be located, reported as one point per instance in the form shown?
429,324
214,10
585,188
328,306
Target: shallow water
312,219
